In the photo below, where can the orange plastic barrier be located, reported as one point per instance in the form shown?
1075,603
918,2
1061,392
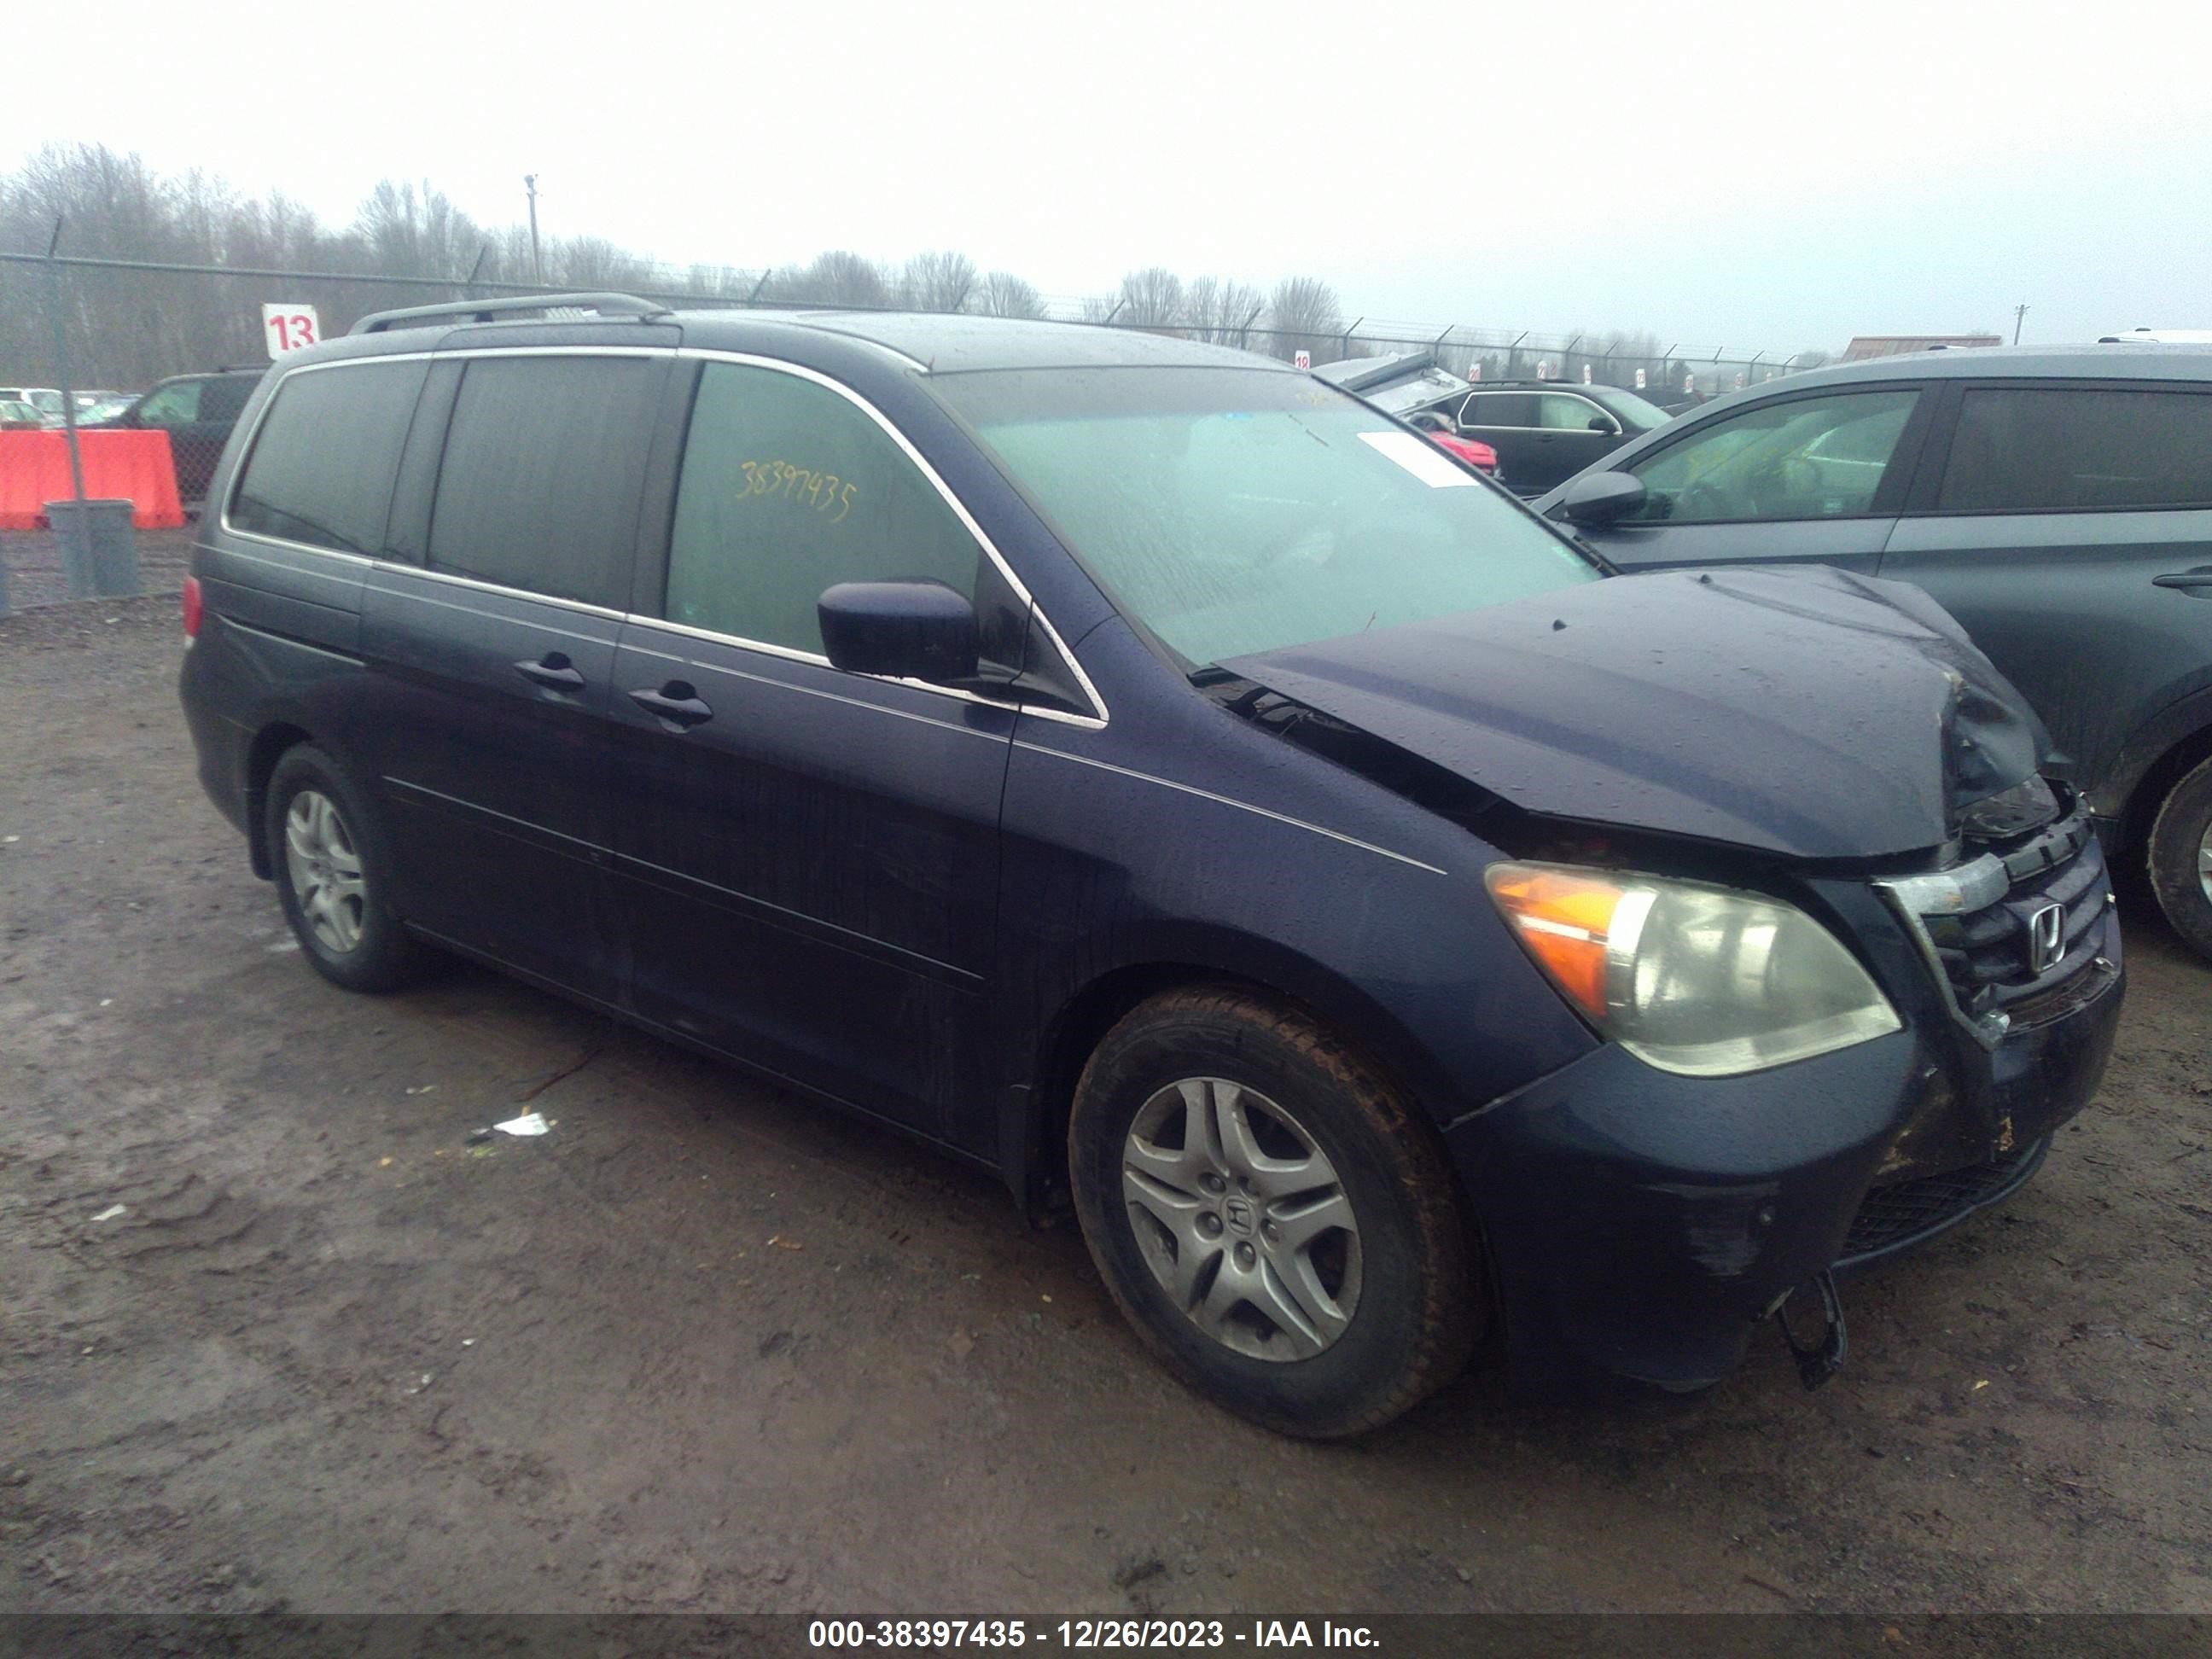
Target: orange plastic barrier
135,466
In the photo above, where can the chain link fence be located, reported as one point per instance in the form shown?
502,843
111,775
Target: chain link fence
175,349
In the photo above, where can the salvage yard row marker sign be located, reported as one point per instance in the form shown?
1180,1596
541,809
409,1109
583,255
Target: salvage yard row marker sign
289,327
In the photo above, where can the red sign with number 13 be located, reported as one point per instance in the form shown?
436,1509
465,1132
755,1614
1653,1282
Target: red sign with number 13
289,327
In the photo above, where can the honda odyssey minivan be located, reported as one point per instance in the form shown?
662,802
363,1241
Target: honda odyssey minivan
1142,769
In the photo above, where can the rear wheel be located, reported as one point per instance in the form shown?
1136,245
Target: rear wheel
1273,1218
333,876
2181,857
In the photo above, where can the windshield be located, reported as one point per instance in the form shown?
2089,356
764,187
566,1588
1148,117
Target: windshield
1232,511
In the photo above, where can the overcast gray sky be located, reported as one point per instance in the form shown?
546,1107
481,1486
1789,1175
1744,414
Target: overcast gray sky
1764,174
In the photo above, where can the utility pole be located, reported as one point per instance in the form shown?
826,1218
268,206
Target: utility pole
537,263
2019,316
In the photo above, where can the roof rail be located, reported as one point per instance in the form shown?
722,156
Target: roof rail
493,310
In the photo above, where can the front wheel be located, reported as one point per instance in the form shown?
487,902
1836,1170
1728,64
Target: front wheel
1273,1218
2181,858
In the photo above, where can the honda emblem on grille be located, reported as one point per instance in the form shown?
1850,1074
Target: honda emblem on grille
2046,939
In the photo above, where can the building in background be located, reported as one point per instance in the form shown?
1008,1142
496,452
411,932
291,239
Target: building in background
1863,346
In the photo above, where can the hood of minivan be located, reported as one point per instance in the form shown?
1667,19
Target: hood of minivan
1806,711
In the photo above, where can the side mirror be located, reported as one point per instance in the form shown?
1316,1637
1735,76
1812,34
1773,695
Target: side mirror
909,630
1600,499
1600,423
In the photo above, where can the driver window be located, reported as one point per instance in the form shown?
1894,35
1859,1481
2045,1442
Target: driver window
1558,413
1801,458
788,489
173,406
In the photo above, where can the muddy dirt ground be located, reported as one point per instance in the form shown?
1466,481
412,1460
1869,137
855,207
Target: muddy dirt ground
703,1347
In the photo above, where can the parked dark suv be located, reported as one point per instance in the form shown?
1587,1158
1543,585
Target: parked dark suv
1547,430
2058,502
197,411
1151,773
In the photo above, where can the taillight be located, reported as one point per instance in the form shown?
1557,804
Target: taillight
192,608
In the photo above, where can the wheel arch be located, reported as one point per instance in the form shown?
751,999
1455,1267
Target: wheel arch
2164,750
271,743
1034,1136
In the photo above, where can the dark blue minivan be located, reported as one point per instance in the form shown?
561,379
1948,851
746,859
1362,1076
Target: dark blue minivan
1143,769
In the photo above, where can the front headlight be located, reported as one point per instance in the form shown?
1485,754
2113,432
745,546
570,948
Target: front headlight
1705,980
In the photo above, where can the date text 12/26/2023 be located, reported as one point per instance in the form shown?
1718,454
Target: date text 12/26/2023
1085,1634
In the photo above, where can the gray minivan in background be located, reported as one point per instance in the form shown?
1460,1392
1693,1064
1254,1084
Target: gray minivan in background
2058,501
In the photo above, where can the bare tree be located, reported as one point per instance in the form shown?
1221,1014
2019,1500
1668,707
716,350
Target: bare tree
1150,298
836,278
938,282
1221,312
1005,294
593,262
1303,315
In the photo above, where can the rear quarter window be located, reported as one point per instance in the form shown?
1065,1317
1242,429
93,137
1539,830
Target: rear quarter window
2056,449
325,455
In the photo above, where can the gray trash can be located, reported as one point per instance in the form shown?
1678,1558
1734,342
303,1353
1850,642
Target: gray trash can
99,547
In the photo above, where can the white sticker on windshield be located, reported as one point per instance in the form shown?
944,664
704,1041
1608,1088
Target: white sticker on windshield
1419,457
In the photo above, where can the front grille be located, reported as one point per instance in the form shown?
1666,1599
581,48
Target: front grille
1890,1217
1985,953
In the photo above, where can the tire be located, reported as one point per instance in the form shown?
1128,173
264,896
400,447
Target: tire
331,876
2181,857
1366,1320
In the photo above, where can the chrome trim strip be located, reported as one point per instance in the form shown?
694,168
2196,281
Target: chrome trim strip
291,547
1988,1032
530,623
1971,886
816,660
1227,800
393,567
1021,590
1010,710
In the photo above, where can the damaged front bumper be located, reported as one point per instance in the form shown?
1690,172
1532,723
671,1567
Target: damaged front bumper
1642,1226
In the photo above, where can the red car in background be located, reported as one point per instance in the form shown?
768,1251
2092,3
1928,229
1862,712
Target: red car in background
1436,430
1414,386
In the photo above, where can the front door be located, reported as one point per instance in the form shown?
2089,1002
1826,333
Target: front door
493,657
807,859
1808,480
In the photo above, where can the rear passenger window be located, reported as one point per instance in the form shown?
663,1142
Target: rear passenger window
788,490
1499,409
323,460
543,465
2055,449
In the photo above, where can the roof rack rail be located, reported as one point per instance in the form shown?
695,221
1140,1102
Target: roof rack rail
493,310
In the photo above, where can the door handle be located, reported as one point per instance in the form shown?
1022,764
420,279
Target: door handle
675,705
2183,578
553,670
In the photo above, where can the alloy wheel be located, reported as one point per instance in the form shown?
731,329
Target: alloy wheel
325,871
1242,1218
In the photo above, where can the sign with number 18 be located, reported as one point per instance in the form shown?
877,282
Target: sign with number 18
289,327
